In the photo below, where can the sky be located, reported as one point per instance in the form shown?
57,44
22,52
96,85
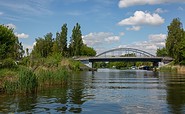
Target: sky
105,24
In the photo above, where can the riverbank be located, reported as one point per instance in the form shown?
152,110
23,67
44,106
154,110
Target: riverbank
173,68
40,73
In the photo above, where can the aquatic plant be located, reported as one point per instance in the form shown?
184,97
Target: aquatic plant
48,77
27,80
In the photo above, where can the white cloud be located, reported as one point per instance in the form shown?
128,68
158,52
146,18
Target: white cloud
10,25
112,39
142,18
121,34
157,37
22,35
160,10
30,47
155,41
100,40
94,39
127,3
134,28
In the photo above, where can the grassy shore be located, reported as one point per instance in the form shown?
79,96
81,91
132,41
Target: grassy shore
29,77
173,68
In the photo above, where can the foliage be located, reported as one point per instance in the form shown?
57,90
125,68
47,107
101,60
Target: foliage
162,52
48,45
9,44
168,69
87,51
43,47
27,81
48,77
175,44
63,40
76,42
8,63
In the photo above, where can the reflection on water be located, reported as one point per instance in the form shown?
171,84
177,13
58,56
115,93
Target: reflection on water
105,91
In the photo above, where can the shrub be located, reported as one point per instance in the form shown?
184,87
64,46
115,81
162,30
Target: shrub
9,63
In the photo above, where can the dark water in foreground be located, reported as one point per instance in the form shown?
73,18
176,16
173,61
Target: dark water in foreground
107,91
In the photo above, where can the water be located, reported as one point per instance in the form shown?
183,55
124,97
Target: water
105,91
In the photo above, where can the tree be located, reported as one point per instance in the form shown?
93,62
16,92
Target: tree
27,52
63,40
174,40
55,48
182,48
44,46
87,51
9,44
162,52
76,42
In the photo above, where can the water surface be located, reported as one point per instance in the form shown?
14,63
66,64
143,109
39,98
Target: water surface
105,91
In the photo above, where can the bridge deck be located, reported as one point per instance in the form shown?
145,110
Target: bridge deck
131,59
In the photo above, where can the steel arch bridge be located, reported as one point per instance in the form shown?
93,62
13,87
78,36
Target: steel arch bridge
125,52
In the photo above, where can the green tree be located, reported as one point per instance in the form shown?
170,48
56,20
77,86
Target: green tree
27,52
9,44
174,40
162,52
55,48
87,51
44,46
76,42
182,48
63,40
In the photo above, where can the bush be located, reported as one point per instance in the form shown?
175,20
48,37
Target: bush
9,63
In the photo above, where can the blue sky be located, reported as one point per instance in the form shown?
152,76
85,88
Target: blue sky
105,24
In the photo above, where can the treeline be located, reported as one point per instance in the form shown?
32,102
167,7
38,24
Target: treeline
46,50
175,43
48,45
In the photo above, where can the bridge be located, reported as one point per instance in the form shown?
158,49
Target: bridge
125,54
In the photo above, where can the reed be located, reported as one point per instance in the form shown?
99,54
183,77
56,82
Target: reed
57,77
25,82
168,69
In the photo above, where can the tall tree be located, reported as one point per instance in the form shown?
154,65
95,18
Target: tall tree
55,48
27,52
182,48
76,40
63,40
174,40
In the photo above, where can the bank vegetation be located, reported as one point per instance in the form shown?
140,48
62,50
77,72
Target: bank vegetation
49,63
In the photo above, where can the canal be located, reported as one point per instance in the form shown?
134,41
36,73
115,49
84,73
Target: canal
105,91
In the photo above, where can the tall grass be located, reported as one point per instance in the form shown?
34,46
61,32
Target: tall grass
48,77
25,82
168,69
53,70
